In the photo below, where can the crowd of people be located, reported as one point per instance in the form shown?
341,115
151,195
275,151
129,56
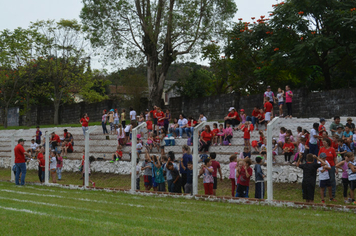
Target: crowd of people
316,149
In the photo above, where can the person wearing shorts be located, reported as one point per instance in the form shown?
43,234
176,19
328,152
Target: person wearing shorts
268,108
147,175
216,169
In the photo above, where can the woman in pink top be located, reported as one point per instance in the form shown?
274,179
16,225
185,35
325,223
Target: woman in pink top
232,166
228,133
289,96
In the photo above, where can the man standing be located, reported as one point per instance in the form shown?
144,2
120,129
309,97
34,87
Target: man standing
20,162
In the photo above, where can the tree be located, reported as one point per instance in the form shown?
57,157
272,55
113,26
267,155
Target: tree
15,51
160,30
65,62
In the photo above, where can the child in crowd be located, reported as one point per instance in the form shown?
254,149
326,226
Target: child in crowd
67,148
208,179
32,148
38,135
282,137
322,126
288,150
188,187
220,134
228,133
246,128
280,97
246,153
161,141
139,147
275,149
128,130
158,173
116,118
41,164
216,167
156,141
301,150
342,148
111,121
149,125
150,142
169,177
117,155
91,159
263,152
324,178
339,132
259,143
243,174
259,179
215,131
242,116
59,166
123,118
347,136
351,175
299,134
176,184
141,120
138,170
345,176
268,108
232,167
120,132
147,174
53,166
309,176
335,142
261,118
289,135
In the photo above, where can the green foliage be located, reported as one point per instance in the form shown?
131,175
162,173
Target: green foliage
158,31
197,83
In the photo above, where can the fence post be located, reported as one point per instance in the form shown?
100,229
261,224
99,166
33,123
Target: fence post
134,155
86,155
12,159
270,127
195,156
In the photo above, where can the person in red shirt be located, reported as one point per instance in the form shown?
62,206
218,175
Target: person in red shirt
216,168
288,150
243,174
215,131
55,140
261,118
67,148
189,130
41,164
232,118
254,117
246,128
85,123
268,108
322,127
331,158
153,112
205,139
20,161
160,119
117,155
149,125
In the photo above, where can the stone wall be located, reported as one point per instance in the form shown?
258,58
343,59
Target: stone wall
325,104
281,174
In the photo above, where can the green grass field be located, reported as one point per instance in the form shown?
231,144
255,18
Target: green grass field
41,210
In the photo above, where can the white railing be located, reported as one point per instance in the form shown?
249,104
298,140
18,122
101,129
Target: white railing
196,156
86,155
134,155
270,127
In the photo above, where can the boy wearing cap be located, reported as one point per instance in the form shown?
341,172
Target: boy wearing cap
350,124
309,175
324,178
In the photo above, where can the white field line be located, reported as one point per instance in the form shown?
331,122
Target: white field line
78,199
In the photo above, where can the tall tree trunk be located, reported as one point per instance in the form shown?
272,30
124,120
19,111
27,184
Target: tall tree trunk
327,77
56,112
6,111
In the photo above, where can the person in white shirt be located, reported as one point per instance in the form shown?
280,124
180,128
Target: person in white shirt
53,166
313,141
201,118
116,118
182,123
33,147
132,114
324,178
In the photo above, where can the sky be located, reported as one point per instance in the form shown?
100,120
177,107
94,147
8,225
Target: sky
19,13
